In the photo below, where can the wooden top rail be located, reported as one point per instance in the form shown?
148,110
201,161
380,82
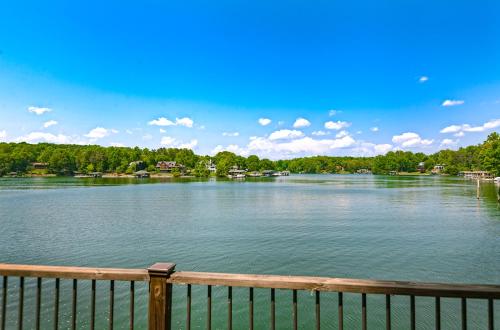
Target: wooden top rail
80,273
258,281
337,285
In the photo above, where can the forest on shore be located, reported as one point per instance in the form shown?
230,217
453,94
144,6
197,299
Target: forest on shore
69,159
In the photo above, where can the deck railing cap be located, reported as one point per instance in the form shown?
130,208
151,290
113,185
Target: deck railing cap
162,268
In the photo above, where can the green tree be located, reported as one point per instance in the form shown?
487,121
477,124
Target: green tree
490,154
201,170
253,163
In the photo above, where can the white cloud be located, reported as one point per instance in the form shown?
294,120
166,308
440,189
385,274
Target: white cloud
451,103
305,145
38,110
147,137
301,122
333,112
115,131
234,148
230,133
162,121
174,143
35,137
3,135
189,145
285,134
186,122
423,79
341,134
448,143
320,133
382,148
492,124
370,149
374,129
278,148
129,131
469,128
405,137
460,130
411,139
451,129
336,125
167,141
116,144
49,123
98,133
163,130
264,121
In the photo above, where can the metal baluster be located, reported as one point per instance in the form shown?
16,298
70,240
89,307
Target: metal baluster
132,304
56,304
363,311
111,303
295,321
38,302
92,305
209,308
21,303
318,311
412,307
250,307
491,317
4,301
341,311
388,312
464,314
438,313
230,308
73,308
273,310
188,307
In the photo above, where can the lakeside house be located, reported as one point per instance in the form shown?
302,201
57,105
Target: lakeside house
141,174
483,175
438,169
138,164
268,172
169,166
211,167
236,173
254,174
363,171
40,166
95,174
421,167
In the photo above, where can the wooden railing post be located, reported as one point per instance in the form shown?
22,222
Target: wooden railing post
160,296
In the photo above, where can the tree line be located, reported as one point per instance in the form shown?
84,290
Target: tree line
69,159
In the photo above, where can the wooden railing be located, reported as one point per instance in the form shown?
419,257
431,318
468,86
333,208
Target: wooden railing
161,278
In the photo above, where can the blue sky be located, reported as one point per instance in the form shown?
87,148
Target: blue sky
332,78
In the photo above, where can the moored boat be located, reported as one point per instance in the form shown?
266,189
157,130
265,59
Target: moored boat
235,173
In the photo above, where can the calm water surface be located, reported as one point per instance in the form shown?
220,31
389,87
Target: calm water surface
401,228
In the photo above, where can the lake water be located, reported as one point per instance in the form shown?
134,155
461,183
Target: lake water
379,227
